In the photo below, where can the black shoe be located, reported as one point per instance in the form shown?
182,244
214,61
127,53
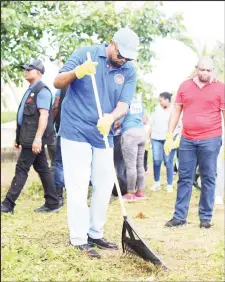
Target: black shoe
61,202
195,184
46,209
5,209
59,191
102,243
87,249
175,222
205,223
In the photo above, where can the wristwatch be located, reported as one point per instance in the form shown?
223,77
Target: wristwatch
38,140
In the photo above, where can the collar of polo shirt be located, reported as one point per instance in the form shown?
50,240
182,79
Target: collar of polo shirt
195,79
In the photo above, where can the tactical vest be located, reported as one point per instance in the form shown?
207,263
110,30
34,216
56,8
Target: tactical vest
58,116
25,133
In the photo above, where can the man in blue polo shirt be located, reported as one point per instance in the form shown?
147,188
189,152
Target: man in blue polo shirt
81,130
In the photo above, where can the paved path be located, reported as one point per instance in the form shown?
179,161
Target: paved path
8,134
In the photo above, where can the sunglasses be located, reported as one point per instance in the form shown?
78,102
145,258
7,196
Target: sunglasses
119,56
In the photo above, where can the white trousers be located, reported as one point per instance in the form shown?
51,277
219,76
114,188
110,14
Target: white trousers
82,162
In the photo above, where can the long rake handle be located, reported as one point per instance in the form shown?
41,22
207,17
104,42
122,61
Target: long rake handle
106,139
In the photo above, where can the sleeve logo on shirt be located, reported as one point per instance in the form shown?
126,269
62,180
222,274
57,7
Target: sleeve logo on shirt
29,100
119,78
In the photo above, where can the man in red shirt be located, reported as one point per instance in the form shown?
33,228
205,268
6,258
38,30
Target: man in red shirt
202,100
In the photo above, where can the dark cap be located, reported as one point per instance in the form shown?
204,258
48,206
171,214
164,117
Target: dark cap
35,65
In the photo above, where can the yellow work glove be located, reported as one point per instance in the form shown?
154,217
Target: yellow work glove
105,123
87,68
176,142
147,146
168,145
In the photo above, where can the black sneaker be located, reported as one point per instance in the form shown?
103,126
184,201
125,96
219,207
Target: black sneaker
205,223
102,243
196,185
87,249
175,222
46,209
5,209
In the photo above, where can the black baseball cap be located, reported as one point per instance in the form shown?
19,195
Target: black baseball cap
34,65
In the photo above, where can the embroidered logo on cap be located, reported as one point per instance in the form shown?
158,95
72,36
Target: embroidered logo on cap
119,78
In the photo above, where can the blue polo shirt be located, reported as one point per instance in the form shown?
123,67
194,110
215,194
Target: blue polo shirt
43,100
58,93
79,115
134,117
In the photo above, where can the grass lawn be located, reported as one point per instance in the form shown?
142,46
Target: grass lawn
35,246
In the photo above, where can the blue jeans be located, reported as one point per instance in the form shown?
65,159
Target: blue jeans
159,155
59,175
205,152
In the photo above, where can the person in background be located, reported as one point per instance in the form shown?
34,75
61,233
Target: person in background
118,160
59,174
81,132
34,130
197,175
220,179
133,148
201,99
52,153
159,126
147,146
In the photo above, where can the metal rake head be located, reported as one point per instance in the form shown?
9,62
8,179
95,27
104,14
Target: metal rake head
133,248
133,245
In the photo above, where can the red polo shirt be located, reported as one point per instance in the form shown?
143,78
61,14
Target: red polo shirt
201,109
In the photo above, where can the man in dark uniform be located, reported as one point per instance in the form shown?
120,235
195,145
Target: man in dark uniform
59,174
34,130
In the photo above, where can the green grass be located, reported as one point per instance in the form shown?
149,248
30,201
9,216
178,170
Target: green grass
8,116
35,246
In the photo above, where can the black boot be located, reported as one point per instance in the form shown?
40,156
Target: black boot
195,183
60,195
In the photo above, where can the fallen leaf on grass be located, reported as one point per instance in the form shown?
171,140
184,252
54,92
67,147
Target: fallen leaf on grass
140,215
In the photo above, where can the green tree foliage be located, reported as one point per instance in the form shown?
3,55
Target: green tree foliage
216,53
21,31
68,25
218,57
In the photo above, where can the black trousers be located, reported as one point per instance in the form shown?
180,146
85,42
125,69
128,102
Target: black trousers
146,160
52,154
40,164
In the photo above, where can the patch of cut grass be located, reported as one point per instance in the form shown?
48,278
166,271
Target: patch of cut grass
35,246
8,116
